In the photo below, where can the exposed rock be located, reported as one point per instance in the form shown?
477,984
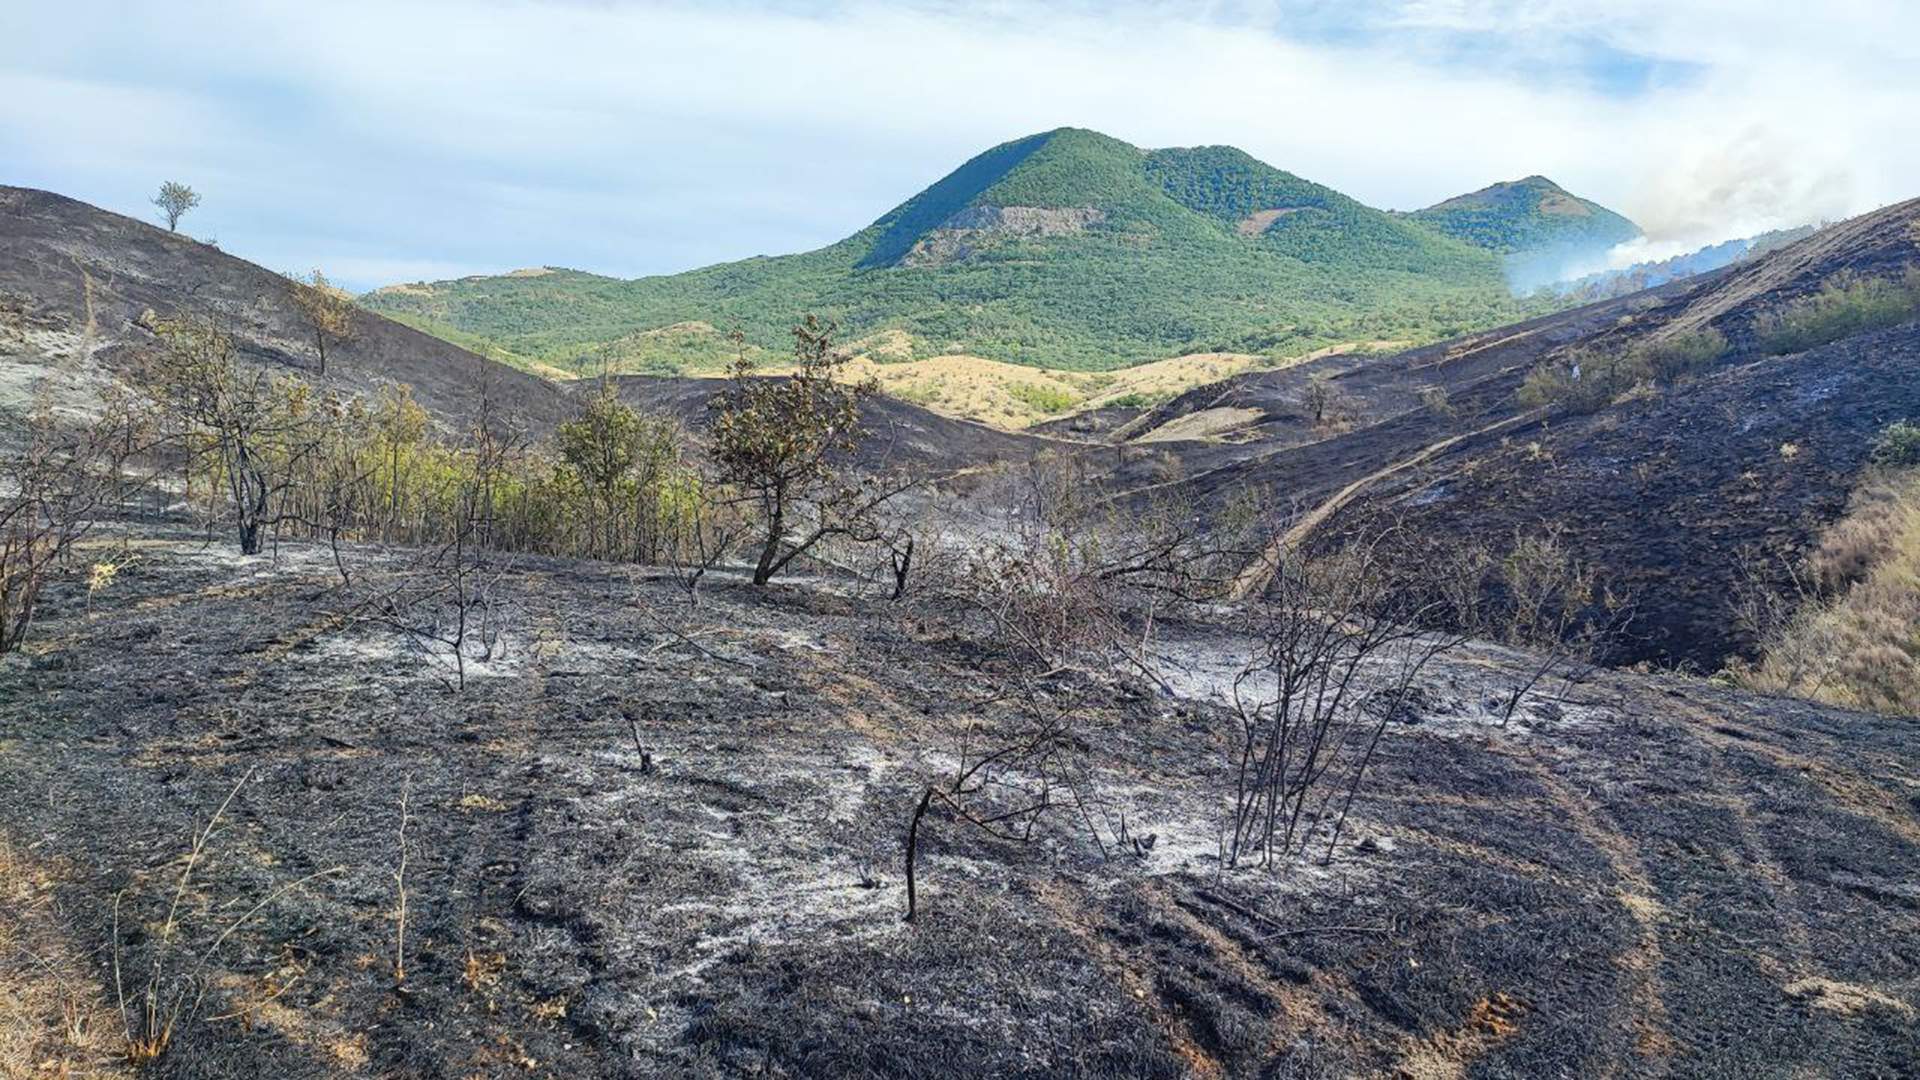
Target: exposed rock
1260,221
976,227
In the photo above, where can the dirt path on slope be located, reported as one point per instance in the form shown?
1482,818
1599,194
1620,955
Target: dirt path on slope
1256,576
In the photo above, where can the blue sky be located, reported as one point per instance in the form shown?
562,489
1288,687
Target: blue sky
396,141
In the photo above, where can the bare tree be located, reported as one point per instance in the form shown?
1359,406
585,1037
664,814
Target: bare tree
1074,571
53,493
713,531
1335,648
326,310
1317,396
1008,778
254,426
1554,605
174,200
337,493
900,560
448,602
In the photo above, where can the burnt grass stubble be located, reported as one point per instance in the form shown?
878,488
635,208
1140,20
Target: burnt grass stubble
1633,878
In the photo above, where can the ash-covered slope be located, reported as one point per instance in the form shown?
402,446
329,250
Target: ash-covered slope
1664,491
75,281
1642,877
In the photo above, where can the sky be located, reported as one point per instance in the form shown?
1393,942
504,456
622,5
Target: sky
386,141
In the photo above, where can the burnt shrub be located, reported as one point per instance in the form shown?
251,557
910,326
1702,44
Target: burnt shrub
1680,356
1898,447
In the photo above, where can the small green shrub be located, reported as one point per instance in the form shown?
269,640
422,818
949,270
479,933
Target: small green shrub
1046,399
1898,447
1847,305
1138,399
1583,381
917,395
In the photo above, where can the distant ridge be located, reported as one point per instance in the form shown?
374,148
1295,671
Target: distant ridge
1526,215
1065,249
1652,273
1545,232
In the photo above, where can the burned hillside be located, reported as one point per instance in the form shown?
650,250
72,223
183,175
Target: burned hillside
617,730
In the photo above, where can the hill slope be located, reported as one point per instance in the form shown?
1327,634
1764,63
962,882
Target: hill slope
1526,215
75,279
1066,249
1662,491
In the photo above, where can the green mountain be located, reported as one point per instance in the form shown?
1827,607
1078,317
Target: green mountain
1064,249
1525,216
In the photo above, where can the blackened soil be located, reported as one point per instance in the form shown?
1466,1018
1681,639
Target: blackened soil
1644,877
1667,495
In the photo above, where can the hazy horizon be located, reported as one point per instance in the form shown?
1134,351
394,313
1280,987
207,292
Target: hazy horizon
426,141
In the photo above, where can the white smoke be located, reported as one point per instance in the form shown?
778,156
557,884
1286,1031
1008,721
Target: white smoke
1750,184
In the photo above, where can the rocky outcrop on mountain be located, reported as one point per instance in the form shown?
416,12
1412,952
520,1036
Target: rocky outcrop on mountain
977,227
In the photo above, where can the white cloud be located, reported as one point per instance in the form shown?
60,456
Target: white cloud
649,137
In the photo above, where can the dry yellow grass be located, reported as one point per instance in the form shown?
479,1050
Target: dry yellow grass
410,289
548,371
1008,395
1853,644
1004,395
1205,424
54,1018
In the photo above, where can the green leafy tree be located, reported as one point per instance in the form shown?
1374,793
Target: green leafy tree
781,443
174,200
629,465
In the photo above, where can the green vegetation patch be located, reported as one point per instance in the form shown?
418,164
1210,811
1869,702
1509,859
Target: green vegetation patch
1046,399
1164,268
1898,447
1589,379
1527,215
1846,305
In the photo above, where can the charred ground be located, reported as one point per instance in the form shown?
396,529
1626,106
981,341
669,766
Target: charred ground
648,838
1646,876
